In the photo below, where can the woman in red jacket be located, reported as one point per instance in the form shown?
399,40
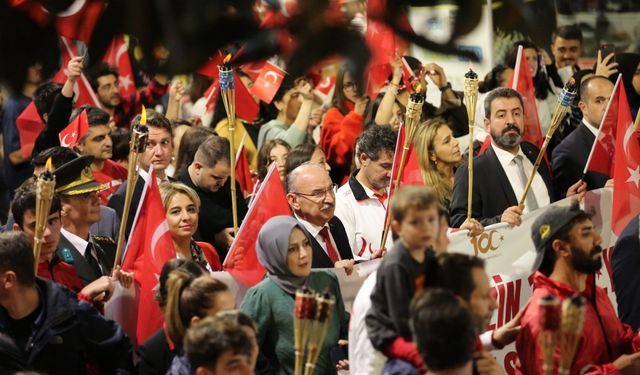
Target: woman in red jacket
342,124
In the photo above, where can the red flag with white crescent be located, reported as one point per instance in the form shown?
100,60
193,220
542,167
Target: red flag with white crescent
268,82
118,55
70,135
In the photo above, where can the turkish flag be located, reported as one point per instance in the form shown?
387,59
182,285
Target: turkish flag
407,75
76,22
626,173
268,82
210,68
243,172
29,126
253,69
79,20
270,200
246,106
601,158
522,82
150,246
70,136
118,55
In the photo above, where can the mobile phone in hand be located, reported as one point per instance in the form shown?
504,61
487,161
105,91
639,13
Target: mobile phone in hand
606,50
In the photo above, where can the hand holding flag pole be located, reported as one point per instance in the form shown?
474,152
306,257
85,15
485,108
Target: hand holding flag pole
45,186
565,98
471,99
137,145
412,116
228,92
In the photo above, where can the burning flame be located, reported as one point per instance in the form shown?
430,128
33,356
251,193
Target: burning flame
227,58
418,88
143,116
48,167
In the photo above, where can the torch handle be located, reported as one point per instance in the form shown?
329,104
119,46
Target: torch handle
131,184
470,177
403,161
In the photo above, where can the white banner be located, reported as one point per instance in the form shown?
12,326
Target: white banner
509,254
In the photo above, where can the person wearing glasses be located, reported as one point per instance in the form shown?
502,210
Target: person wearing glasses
208,175
311,195
157,154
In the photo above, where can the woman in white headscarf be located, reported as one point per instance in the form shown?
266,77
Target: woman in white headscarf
284,250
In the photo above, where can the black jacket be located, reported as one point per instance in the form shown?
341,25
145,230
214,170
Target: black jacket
625,263
569,159
492,192
116,201
58,120
72,334
320,258
155,355
71,255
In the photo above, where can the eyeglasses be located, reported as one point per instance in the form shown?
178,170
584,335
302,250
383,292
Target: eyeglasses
318,195
349,85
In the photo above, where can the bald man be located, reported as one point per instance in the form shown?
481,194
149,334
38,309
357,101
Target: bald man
570,156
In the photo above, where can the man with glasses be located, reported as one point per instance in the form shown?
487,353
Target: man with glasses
311,195
157,154
361,203
208,175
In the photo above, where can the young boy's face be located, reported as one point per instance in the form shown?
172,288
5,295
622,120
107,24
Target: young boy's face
419,228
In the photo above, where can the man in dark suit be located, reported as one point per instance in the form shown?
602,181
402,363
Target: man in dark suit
157,154
311,195
501,173
92,257
625,263
570,156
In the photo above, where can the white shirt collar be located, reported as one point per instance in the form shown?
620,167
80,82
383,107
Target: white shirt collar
370,193
145,176
311,228
504,156
79,243
592,128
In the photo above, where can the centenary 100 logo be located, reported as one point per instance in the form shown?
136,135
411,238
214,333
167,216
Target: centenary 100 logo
487,241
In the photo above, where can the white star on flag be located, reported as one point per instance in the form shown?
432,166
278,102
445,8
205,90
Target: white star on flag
634,176
125,82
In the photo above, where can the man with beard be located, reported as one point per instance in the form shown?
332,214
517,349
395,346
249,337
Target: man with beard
569,255
361,203
501,173
105,82
97,142
311,195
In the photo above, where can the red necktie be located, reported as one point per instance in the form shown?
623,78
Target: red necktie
333,254
381,197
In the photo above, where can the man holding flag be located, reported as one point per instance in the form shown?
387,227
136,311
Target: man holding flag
570,156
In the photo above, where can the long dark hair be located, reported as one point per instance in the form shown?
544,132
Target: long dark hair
339,100
540,79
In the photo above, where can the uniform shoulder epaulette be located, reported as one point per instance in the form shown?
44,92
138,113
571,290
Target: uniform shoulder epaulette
104,240
66,255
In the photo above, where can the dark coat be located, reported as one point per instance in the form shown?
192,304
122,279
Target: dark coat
569,159
492,192
72,334
320,257
625,263
155,355
67,252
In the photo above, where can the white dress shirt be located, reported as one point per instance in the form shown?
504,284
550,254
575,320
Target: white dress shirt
80,244
538,188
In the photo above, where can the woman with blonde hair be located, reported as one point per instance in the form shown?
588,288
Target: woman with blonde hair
439,155
182,208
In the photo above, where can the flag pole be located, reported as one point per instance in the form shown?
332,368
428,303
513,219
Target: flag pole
412,116
565,98
637,123
137,145
471,99
228,92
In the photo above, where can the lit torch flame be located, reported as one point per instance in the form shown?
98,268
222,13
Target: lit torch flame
418,88
48,167
227,58
143,116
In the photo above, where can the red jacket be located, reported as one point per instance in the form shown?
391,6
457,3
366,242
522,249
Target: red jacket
601,325
338,138
62,273
211,255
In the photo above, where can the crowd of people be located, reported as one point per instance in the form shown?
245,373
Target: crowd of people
423,310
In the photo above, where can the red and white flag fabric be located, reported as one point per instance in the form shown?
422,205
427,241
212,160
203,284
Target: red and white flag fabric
29,125
76,22
150,246
243,171
626,173
246,106
118,55
268,82
242,259
82,90
485,145
601,157
70,135
253,69
407,76
522,82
